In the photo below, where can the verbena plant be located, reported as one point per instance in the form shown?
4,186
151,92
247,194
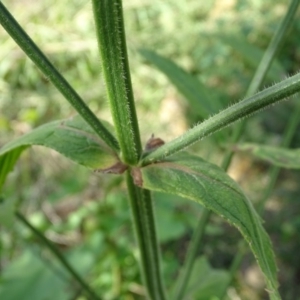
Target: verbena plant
157,166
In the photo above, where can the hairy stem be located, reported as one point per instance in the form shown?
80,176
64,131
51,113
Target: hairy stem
41,61
144,225
263,68
59,257
112,45
227,117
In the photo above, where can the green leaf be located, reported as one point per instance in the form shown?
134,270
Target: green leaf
7,162
73,138
29,278
205,282
202,100
7,212
191,177
281,157
170,225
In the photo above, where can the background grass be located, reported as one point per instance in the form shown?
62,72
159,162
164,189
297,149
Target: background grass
85,213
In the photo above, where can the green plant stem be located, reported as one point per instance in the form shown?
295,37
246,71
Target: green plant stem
193,250
243,108
144,226
59,256
112,45
256,82
227,117
262,70
41,61
273,48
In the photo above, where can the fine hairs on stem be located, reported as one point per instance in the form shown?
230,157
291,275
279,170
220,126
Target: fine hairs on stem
238,111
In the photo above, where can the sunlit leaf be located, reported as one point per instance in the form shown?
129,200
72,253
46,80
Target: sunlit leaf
281,157
193,178
73,138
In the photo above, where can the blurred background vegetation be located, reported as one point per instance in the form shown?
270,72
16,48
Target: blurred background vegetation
85,213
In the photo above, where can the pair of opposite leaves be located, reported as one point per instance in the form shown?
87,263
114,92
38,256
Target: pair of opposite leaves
185,175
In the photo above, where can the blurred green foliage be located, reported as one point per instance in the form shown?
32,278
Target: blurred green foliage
86,214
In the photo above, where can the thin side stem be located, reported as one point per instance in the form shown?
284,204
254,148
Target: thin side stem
59,257
263,68
41,61
256,82
273,48
144,226
110,30
194,248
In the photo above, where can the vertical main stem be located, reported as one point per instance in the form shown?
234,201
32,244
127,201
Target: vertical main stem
112,45
141,204
108,15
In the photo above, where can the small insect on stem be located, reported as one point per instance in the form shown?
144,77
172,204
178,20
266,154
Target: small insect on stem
153,143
